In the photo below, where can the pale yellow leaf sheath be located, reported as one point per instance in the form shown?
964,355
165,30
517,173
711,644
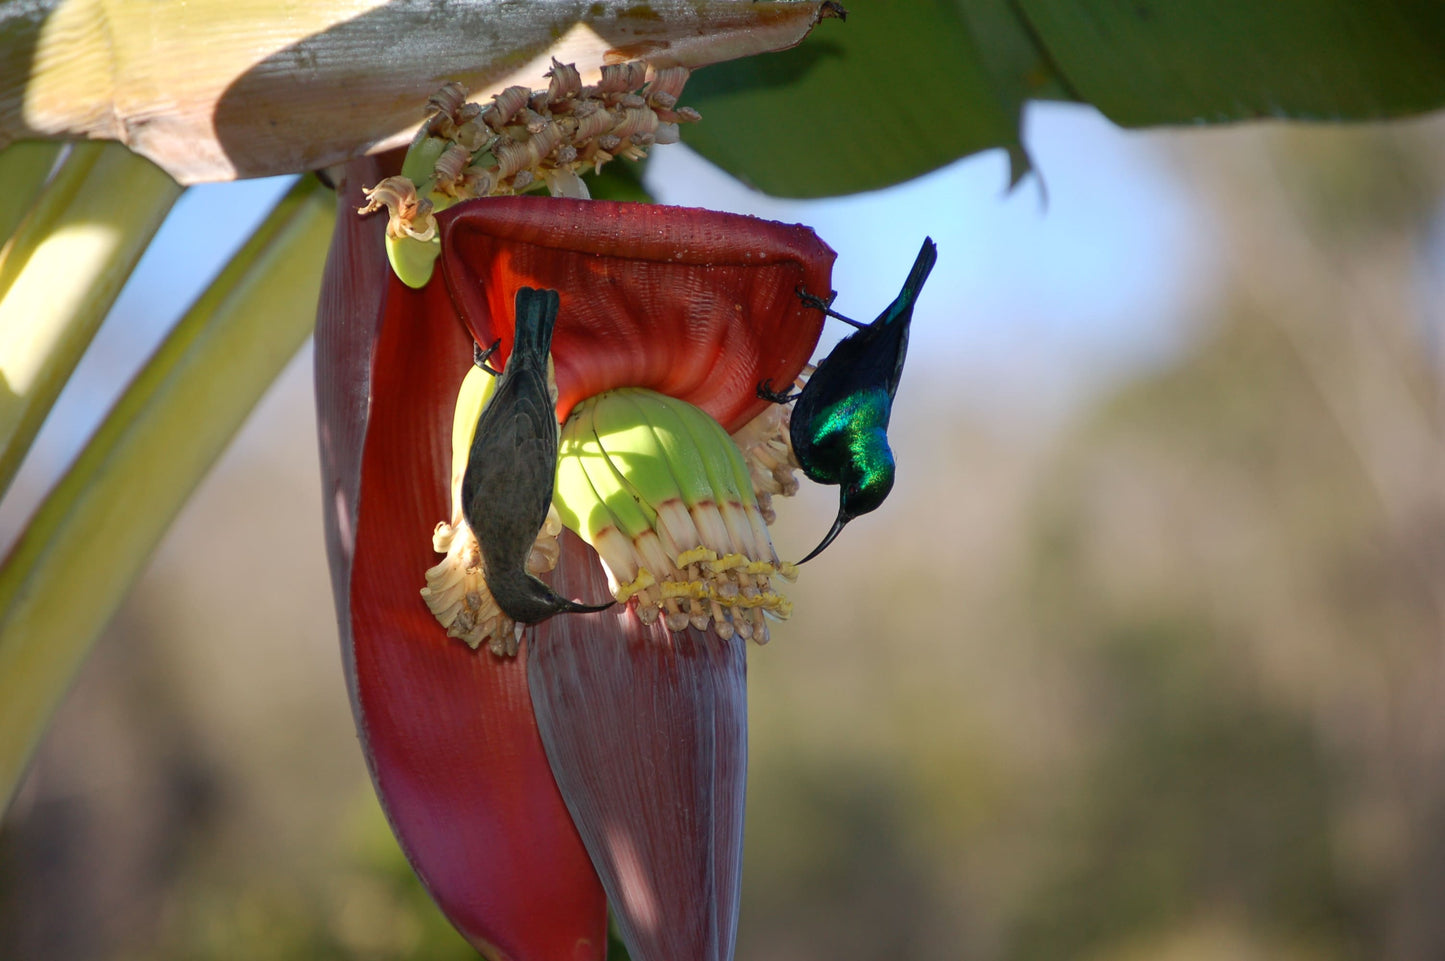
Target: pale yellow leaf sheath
24,169
94,533
61,271
284,87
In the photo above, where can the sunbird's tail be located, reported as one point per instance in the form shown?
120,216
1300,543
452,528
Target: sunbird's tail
536,317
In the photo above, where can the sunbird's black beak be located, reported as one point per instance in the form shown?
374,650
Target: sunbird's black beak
843,518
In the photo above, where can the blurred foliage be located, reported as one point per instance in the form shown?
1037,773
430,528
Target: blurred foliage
1202,795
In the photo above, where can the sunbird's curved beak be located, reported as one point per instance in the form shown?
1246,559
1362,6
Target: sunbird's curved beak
837,528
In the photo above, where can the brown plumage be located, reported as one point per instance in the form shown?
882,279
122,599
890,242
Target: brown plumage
512,468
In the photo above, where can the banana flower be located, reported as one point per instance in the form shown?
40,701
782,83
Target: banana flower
536,777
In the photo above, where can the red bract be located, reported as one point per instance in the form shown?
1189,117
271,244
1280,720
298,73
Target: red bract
694,304
448,733
646,730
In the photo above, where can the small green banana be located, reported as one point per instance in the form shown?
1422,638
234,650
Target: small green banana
707,434
476,391
696,524
637,456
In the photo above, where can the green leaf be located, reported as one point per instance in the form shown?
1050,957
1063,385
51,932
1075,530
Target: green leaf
620,180
897,90
1145,62
906,86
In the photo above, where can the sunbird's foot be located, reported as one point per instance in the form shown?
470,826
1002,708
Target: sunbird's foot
766,392
826,306
814,301
480,357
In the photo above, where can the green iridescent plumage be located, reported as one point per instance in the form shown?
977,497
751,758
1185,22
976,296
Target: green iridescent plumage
839,425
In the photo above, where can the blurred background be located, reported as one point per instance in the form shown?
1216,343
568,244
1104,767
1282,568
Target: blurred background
1144,658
